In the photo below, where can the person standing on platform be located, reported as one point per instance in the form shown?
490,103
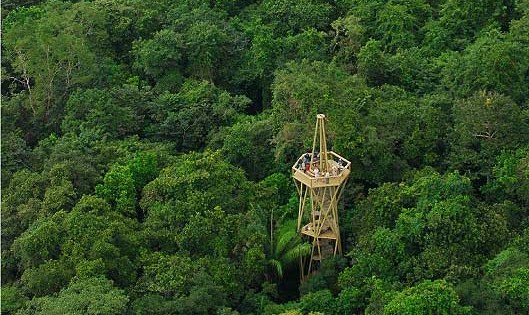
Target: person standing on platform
306,160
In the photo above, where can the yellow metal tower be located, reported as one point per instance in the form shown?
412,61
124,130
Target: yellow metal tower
320,176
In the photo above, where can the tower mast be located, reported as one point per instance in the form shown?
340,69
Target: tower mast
320,176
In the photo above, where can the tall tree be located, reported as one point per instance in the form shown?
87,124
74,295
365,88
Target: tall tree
53,49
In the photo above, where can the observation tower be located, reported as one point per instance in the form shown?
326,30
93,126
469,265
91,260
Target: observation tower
320,177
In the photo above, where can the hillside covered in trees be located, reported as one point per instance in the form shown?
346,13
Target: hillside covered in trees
147,146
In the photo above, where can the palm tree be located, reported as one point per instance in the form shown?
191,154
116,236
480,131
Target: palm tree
286,247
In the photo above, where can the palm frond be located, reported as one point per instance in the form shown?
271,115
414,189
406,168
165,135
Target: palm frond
277,267
294,253
286,236
285,240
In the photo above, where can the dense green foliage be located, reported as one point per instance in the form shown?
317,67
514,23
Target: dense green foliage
146,148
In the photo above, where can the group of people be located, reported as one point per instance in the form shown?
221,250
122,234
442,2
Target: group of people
304,164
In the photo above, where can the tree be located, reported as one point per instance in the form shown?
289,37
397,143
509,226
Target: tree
378,255
118,189
201,181
510,178
516,290
398,23
130,20
167,275
427,228
349,300
209,42
98,114
444,229
493,62
15,154
248,145
207,234
518,27
289,16
506,281
61,195
437,297
12,299
311,44
372,62
392,132
41,241
320,301
152,304
483,124
51,50
21,204
122,184
188,117
160,57
192,185
460,21
103,237
49,277
82,296
349,36
185,281
273,198
204,299
380,208
69,158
